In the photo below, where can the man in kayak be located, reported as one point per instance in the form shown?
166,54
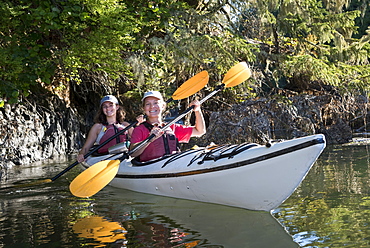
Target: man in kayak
109,120
165,141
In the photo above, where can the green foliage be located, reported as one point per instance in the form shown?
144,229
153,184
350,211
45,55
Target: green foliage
107,33
160,44
323,49
27,56
341,74
187,44
37,37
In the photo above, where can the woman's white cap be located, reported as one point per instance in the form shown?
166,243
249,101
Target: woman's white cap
109,98
155,94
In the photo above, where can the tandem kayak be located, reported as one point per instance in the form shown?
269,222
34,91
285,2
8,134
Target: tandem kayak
248,175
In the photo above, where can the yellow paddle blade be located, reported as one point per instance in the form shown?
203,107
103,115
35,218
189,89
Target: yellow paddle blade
92,180
96,227
191,86
237,74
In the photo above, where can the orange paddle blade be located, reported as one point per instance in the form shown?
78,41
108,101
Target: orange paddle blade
237,74
92,180
191,86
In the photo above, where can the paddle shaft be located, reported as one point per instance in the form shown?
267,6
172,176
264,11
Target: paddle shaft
95,149
144,142
98,147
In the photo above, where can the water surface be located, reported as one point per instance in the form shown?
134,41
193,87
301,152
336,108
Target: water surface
329,209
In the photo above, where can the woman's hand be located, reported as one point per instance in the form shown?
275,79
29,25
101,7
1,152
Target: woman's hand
80,158
157,132
140,119
196,105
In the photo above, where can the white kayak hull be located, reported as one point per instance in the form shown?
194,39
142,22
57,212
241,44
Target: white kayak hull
248,176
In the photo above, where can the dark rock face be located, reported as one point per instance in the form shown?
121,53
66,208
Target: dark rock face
36,130
285,118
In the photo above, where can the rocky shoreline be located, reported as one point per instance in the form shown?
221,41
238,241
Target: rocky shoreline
37,130
262,120
46,126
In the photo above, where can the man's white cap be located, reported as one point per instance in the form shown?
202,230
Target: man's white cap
155,94
109,98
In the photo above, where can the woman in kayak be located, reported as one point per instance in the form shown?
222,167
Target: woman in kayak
109,120
165,141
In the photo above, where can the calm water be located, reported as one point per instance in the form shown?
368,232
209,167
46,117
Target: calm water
330,209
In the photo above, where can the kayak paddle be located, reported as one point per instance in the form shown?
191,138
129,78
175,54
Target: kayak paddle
97,176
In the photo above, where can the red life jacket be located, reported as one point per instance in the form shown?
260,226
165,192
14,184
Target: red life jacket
167,144
110,130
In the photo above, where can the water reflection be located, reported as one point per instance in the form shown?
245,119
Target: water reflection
180,221
331,207
101,230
